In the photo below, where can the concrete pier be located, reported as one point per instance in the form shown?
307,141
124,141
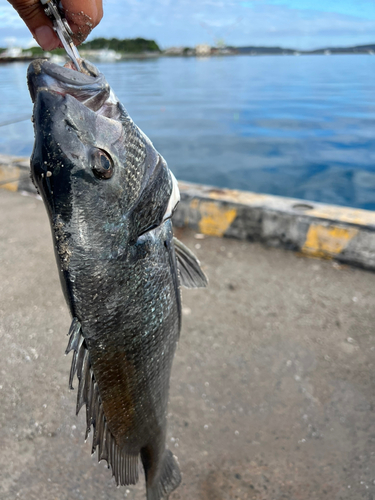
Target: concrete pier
272,391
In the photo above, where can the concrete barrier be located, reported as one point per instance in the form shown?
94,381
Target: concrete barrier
313,229
15,174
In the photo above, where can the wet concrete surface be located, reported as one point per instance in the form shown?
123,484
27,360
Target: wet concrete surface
272,391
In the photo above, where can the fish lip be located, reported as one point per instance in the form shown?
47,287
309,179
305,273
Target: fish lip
65,74
89,87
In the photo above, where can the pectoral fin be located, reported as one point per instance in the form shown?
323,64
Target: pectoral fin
191,274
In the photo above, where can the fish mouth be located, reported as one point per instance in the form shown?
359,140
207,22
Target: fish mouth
89,86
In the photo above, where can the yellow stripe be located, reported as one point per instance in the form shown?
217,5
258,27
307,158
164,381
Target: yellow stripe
321,211
215,219
9,173
327,241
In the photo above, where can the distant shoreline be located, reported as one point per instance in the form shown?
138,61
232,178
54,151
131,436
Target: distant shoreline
104,55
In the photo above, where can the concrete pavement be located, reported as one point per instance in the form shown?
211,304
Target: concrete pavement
272,392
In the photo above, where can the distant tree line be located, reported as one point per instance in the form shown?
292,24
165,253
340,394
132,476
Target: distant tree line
131,45
37,51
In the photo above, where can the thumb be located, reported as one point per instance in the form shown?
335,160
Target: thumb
32,13
83,16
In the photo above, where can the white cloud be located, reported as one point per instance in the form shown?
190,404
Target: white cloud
9,17
30,43
11,41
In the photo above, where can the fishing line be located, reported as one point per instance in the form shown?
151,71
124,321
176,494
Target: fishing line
18,120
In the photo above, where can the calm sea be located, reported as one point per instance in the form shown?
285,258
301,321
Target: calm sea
293,126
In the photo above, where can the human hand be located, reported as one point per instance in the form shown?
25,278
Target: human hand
82,16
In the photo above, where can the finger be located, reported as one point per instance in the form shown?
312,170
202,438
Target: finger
83,16
31,11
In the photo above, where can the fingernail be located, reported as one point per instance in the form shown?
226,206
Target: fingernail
46,38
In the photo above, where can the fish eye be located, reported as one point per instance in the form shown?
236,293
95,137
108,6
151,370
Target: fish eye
101,164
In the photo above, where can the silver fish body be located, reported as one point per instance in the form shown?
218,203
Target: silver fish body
110,196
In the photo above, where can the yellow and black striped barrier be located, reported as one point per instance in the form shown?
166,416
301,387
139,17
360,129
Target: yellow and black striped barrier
314,229
15,174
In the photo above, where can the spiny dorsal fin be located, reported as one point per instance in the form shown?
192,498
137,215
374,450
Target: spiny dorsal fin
124,466
191,274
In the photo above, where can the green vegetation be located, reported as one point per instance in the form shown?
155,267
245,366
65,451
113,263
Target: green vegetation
38,52
133,46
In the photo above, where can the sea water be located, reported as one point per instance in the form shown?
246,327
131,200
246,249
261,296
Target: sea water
302,126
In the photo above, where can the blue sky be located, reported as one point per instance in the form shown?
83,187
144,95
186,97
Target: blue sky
289,23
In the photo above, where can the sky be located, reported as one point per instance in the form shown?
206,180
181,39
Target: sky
299,24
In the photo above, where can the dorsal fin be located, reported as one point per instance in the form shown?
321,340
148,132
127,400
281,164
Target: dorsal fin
124,466
191,274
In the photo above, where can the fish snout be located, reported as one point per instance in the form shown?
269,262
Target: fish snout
58,148
89,88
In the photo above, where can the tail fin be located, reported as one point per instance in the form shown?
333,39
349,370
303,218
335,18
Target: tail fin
166,481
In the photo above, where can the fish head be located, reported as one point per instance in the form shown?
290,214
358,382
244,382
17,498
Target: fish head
102,181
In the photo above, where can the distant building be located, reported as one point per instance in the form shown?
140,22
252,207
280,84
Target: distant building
202,50
174,51
102,55
223,51
12,52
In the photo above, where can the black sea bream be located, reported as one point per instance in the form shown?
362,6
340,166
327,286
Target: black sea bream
110,197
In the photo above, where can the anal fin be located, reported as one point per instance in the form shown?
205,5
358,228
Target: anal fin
124,465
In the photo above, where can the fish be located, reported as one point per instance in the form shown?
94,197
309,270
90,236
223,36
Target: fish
110,197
